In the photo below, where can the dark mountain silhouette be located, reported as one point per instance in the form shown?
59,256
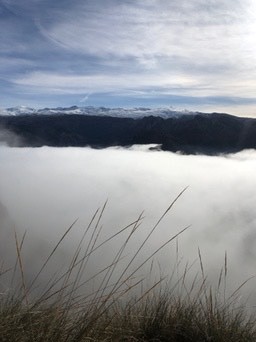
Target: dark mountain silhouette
190,134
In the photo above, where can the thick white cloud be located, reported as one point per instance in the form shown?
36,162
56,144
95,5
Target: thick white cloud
44,190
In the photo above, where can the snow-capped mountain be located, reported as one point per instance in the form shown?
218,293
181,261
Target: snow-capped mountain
19,110
137,112
183,132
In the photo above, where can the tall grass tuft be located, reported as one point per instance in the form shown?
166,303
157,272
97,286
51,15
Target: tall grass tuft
122,306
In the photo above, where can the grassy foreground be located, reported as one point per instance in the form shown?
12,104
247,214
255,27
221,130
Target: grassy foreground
121,307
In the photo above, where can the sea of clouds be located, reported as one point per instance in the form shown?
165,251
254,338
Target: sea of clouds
44,190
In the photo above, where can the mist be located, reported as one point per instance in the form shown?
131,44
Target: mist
44,190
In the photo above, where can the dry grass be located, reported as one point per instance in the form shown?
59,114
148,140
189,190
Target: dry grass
121,307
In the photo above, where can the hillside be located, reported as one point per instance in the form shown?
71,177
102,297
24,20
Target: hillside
187,133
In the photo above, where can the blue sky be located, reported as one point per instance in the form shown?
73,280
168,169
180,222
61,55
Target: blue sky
193,54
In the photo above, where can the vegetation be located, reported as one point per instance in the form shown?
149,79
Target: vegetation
189,134
121,307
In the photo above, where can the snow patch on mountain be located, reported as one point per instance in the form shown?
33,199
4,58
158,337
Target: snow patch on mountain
137,112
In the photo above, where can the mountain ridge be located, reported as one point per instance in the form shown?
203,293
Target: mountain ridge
133,112
199,133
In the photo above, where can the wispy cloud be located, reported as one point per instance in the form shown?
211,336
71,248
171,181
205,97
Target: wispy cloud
176,83
191,48
85,98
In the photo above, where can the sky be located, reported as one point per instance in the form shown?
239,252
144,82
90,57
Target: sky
186,54
44,190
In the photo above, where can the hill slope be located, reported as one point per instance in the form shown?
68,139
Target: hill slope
190,134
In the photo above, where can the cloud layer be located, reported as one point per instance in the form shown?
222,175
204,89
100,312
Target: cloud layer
44,190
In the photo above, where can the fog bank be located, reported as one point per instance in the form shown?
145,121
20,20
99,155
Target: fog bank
44,190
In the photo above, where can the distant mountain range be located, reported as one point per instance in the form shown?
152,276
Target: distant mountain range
99,127
137,112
